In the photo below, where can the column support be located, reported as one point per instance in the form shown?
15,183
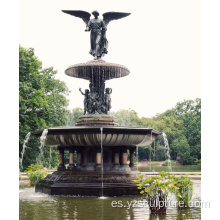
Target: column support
131,157
71,158
124,158
61,165
116,164
123,161
79,159
98,159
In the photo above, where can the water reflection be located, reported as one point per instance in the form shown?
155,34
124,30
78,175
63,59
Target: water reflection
40,206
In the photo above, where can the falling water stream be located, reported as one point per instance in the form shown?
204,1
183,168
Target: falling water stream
137,156
150,150
42,140
41,147
50,157
167,154
101,129
24,146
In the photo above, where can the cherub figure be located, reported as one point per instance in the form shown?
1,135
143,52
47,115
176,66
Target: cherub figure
86,99
93,103
107,99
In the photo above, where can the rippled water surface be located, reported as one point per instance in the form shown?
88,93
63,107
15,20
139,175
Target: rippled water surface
40,206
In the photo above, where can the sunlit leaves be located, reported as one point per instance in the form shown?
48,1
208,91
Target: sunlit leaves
157,187
178,194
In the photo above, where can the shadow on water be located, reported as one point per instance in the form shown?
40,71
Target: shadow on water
40,206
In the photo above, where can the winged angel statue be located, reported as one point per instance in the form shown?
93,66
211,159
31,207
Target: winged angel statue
98,28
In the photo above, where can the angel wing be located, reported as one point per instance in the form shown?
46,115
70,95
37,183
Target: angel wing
109,16
80,14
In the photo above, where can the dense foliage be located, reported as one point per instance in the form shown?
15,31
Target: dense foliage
36,172
182,126
42,103
156,189
183,189
73,116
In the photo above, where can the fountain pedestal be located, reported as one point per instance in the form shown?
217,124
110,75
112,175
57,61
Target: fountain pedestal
88,183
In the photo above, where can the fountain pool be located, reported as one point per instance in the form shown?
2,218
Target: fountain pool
41,206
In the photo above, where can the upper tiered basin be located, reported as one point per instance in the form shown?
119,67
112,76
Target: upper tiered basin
95,68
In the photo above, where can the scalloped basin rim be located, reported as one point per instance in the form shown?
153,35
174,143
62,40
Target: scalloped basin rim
79,136
95,129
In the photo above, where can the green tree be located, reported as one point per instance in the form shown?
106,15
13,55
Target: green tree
73,116
189,112
182,123
127,117
181,149
192,131
159,153
42,100
143,153
184,120
51,161
188,106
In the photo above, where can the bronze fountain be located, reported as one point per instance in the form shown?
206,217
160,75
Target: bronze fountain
97,142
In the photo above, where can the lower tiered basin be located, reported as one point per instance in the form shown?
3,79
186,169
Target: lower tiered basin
98,150
82,136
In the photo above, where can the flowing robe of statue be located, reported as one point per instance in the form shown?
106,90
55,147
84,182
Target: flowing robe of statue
97,37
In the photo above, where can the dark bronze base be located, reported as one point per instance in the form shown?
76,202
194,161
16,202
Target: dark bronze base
96,120
88,189
88,184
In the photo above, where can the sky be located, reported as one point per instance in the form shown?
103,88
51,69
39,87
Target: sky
160,43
